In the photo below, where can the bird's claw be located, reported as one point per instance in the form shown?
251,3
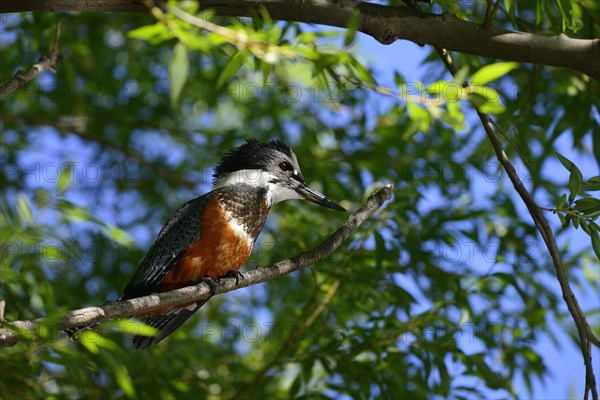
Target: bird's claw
235,274
211,284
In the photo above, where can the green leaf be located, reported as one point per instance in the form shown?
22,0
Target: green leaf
575,180
90,345
66,178
461,75
487,100
587,206
132,327
352,27
118,235
121,375
74,213
596,243
562,202
454,116
563,220
539,12
586,227
24,208
179,69
438,87
265,69
511,7
492,72
420,117
41,198
564,161
563,14
155,34
232,66
592,184
362,72
365,357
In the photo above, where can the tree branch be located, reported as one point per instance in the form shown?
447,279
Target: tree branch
46,63
586,335
384,23
144,305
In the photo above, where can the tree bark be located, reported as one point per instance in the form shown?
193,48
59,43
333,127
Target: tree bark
384,23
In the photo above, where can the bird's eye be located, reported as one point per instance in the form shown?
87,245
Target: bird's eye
285,166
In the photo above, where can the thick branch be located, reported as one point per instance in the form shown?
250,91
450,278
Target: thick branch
21,78
384,23
147,304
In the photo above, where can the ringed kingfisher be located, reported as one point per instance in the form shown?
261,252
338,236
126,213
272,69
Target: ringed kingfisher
212,236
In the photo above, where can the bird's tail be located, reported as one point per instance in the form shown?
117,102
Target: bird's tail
166,323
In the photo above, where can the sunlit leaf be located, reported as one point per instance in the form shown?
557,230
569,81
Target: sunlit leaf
492,72
66,177
132,327
233,65
118,235
352,27
24,208
153,33
179,69
123,378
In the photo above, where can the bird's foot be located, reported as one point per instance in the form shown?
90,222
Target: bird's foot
210,282
235,274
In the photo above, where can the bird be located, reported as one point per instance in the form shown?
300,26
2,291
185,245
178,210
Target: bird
212,236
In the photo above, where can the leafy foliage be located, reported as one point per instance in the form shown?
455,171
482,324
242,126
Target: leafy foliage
444,293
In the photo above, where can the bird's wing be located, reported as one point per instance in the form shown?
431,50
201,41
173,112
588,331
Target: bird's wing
181,230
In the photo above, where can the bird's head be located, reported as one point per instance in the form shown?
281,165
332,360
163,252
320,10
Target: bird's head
272,166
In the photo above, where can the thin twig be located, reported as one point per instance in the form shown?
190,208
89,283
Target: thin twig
586,335
145,305
46,63
490,12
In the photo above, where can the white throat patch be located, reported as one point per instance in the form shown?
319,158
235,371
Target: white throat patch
259,179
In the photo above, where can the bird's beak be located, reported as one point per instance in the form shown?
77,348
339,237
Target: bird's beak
316,197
